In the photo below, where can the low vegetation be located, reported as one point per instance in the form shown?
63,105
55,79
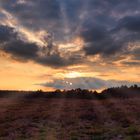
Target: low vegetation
71,115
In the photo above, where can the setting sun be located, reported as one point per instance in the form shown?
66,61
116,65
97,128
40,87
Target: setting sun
68,39
69,69
73,75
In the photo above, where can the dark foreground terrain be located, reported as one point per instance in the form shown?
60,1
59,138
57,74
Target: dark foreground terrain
25,117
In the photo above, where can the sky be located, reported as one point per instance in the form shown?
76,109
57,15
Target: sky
66,44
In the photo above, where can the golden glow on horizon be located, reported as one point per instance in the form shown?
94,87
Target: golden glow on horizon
27,76
73,75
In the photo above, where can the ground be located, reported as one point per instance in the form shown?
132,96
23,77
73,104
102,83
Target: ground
69,119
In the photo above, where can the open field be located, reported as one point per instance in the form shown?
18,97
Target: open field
69,119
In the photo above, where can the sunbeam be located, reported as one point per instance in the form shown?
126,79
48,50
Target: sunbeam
69,69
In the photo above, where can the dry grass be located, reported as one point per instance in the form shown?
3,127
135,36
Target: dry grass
69,119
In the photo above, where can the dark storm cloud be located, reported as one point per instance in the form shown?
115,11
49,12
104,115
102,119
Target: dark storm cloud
6,33
21,49
29,9
112,29
132,23
107,27
100,40
36,15
11,43
85,83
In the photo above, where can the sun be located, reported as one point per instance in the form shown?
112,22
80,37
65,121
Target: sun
73,74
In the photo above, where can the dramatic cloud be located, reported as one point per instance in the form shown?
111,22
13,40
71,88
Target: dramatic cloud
10,42
100,24
130,23
85,83
100,41
106,42
6,33
100,35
